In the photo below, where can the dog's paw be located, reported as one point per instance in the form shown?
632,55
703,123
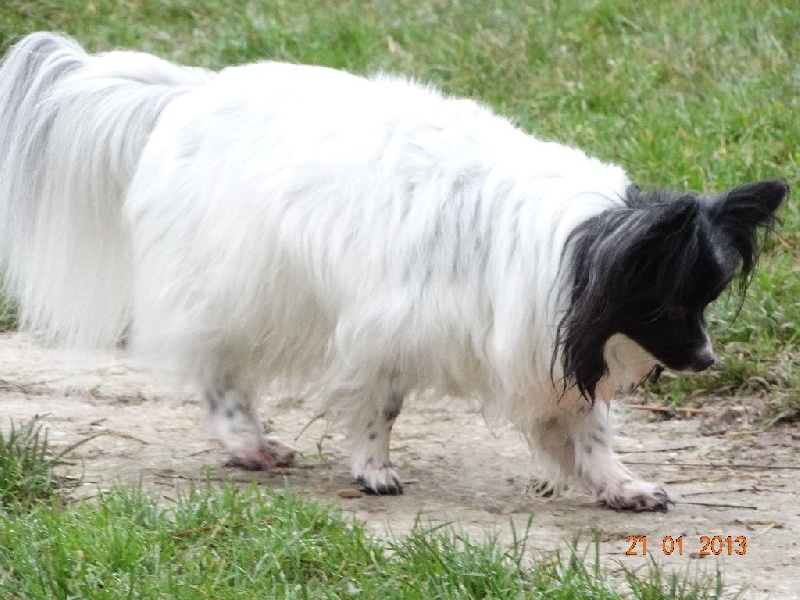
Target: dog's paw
635,496
542,488
381,480
268,454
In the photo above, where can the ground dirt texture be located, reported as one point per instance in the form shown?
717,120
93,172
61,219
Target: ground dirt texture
726,472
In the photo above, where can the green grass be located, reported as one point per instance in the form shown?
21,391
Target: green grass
227,541
8,314
26,466
698,95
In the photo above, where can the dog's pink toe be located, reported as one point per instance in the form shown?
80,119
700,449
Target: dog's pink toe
268,455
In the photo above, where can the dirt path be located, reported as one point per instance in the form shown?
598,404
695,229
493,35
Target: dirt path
455,468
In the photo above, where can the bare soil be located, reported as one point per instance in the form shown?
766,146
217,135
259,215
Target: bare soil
727,473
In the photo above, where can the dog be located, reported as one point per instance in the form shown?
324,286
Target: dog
362,239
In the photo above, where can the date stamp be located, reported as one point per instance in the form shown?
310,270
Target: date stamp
704,545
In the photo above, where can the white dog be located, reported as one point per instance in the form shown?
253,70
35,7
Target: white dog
361,238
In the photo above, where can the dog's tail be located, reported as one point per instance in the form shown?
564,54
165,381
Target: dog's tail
72,128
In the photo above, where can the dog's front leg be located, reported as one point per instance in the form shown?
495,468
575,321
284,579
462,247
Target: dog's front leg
599,468
371,434
237,426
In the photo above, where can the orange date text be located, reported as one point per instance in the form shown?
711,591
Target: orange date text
704,545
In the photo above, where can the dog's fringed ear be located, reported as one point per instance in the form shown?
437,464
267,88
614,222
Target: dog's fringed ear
613,255
741,212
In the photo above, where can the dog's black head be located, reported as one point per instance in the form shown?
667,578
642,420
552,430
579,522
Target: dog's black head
649,269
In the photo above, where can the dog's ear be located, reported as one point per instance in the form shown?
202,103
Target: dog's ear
618,256
741,212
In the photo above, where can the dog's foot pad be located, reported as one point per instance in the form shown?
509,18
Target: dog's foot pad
268,455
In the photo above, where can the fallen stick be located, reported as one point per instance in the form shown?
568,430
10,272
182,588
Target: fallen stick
716,505
667,409
711,465
721,492
649,450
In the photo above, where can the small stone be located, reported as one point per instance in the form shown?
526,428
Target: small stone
350,493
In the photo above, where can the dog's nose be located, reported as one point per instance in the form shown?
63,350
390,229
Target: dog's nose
702,361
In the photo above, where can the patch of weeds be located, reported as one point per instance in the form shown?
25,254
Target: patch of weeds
27,466
8,314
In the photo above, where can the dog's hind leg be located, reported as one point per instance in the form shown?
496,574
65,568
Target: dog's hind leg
236,423
370,433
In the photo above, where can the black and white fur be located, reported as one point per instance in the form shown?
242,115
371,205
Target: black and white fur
361,238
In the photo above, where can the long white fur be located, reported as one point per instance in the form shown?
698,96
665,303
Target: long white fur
298,224
73,127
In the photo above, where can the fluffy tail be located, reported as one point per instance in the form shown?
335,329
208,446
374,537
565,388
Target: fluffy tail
72,128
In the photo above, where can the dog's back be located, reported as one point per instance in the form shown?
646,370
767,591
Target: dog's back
323,228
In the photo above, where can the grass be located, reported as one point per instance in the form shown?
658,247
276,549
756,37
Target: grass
227,541
682,94
8,314
26,466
